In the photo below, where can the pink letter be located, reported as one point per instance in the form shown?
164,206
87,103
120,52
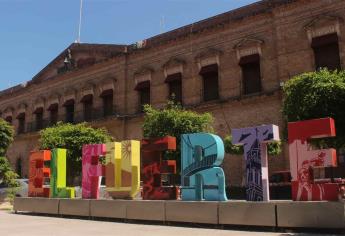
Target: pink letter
92,170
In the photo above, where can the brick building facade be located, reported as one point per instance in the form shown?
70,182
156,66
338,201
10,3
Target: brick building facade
232,65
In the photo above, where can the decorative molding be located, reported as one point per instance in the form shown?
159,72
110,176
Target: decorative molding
107,83
22,108
208,57
39,102
173,70
174,61
54,99
247,47
173,66
8,112
323,25
88,88
69,94
144,74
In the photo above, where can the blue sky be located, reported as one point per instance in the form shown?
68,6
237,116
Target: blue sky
33,32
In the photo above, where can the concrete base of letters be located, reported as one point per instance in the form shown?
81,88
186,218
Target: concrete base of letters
108,208
146,210
192,212
247,213
74,207
37,205
283,214
311,214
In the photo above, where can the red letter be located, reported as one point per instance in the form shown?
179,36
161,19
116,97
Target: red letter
38,172
153,168
302,159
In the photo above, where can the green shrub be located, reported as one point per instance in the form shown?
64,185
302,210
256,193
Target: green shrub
173,120
273,148
315,95
72,137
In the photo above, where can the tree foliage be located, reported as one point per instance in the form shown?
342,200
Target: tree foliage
173,120
273,148
6,136
72,137
7,175
317,95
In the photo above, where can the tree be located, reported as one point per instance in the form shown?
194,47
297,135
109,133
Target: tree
6,136
7,175
173,120
72,137
317,95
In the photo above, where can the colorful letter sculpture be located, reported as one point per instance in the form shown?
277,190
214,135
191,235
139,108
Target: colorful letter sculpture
254,141
153,167
123,169
58,175
302,160
91,170
201,177
38,173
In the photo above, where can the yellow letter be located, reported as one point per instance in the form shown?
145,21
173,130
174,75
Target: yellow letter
123,169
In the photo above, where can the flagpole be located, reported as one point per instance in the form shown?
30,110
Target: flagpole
80,16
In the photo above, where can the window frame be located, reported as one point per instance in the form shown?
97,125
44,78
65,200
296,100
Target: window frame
251,64
210,74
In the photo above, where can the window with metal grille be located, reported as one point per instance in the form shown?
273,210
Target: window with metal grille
209,76
69,107
87,101
251,75
326,52
108,102
38,118
53,113
21,123
143,89
174,82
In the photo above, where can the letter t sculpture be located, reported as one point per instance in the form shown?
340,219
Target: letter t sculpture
254,141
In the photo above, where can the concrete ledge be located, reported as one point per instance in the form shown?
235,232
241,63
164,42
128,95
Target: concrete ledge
192,212
146,210
74,207
283,214
108,208
247,213
311,214
37,205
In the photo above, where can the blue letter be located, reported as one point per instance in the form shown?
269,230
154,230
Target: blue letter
201,176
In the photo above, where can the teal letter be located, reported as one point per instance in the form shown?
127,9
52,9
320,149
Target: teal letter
201,176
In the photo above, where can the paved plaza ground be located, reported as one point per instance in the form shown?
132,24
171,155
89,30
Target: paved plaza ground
19,225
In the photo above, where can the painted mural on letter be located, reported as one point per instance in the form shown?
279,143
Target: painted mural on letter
303,159
154,167
202,178
254,141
